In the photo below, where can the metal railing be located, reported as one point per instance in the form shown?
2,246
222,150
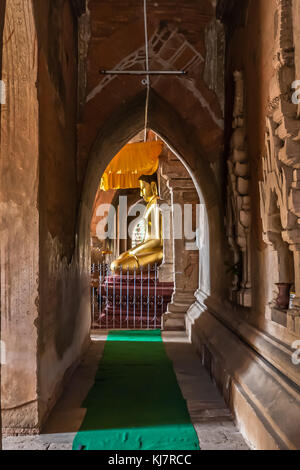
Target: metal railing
128,299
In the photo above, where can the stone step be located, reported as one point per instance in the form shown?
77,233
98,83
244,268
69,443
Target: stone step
208,411
127,324
173,322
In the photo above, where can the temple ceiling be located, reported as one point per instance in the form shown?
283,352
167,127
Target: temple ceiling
187,37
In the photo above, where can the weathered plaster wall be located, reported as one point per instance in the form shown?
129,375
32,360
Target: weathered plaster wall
19,222
2,16
102,198
43,283
63,330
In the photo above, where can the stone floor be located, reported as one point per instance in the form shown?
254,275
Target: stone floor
212,420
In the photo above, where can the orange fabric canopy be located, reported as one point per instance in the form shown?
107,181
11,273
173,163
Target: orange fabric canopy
133,161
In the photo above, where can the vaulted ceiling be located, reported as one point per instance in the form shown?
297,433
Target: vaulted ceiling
182,36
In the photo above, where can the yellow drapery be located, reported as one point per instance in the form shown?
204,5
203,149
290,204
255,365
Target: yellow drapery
133,161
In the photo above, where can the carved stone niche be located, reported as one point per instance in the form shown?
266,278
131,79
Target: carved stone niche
280,188
239,202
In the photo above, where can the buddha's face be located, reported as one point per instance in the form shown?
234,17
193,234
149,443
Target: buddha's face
148,190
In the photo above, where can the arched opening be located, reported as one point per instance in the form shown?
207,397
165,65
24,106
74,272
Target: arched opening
170,129
154,285
164,122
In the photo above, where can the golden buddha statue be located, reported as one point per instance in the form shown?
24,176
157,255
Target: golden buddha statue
150,252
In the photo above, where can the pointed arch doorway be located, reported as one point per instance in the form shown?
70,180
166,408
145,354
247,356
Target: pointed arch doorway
138,297
122,128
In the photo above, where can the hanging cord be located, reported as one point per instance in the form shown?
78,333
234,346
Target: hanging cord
147,68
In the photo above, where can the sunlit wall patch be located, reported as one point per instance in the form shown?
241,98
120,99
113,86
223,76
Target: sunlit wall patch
2,92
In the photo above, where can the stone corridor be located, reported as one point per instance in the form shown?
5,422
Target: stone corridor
189,110
211,418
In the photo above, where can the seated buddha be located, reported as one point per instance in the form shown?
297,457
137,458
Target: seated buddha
150,251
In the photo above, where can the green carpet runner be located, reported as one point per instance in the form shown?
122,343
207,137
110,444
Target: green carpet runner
135,403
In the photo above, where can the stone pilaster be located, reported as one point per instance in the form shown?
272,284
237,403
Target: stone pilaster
239,202
19,220
186,262
166,270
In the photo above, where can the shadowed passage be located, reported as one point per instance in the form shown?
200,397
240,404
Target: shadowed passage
136,402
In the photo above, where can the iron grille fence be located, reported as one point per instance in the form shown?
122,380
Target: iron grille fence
128,300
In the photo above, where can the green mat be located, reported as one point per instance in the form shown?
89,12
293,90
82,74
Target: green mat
135,403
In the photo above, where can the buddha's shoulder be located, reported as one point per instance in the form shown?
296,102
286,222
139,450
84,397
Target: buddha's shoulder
153,201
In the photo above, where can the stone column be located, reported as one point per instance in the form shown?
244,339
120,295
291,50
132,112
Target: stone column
166,270
19,221
239,201
186,261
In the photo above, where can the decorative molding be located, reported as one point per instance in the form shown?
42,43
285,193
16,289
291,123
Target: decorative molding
234,345
238,204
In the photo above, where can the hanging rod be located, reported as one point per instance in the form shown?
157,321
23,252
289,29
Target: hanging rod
143,72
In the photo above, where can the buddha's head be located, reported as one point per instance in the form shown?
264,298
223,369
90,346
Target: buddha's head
148,185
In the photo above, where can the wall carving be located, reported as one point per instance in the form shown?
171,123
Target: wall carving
280,187
238,204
